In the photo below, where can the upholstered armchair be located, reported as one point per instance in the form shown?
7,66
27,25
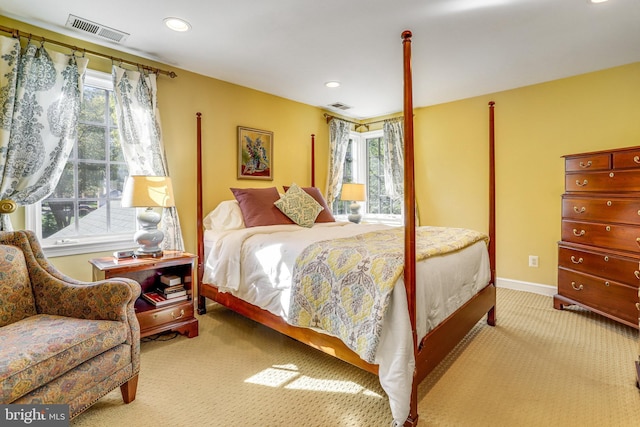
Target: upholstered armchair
63,341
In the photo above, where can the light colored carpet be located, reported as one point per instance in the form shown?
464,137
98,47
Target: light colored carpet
537,367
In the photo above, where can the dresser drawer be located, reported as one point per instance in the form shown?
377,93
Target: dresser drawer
611,181
614,236
603,295
627,159
605,209
168,314
617,268
591,162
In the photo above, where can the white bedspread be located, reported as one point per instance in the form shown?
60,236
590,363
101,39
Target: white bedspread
256,264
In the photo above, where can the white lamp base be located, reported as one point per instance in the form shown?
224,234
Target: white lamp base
148,237
355,216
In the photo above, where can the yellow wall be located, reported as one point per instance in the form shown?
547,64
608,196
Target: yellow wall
224,106
535,126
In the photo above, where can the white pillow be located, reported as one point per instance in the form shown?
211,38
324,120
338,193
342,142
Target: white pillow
226,216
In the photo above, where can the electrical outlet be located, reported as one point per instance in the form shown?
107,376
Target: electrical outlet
533,260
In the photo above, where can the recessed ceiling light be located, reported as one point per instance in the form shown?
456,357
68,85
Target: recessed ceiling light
597,1
332,84
177,24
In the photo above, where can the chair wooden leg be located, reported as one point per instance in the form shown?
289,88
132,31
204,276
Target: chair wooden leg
129,389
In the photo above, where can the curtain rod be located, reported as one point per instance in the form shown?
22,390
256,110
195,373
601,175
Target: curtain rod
329,117
17,34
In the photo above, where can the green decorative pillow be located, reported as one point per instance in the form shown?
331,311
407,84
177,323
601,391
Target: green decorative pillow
300,207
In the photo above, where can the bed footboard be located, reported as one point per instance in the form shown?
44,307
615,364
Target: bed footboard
323,342
438,343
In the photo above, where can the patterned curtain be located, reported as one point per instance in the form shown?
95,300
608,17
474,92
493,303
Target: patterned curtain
40,99
141,138
338,143
393,149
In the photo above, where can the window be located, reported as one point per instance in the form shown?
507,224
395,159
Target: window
364,163
83,214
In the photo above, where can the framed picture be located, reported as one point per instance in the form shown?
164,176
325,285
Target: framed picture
255,154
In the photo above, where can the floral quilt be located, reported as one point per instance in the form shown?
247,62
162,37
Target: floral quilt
343,286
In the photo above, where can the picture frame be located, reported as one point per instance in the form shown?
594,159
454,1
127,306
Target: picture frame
255,154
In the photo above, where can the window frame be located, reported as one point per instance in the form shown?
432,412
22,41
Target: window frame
360,175
81,244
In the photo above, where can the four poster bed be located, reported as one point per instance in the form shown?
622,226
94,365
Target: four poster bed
418,329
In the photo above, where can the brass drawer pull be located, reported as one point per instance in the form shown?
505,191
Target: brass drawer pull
607,284
577,288
606,258
608,228
636,159
578,261
178,317
581,233
638,305
609,203
575,208
611,175
585,165
637,273
581,184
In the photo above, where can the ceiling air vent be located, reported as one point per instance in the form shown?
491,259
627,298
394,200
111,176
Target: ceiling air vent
96,29
340,106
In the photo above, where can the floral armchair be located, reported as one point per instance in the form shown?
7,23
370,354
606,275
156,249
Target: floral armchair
63,341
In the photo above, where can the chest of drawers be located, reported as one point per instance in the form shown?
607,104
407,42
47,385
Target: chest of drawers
599,255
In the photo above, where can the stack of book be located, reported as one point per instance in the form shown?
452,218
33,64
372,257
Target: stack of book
169,290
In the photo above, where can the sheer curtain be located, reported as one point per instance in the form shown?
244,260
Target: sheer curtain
141,138
338,144
393,149
40,99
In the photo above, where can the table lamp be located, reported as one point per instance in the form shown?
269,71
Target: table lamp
354,193
148,192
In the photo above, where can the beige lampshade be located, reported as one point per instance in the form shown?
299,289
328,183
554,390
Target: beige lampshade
147,191
353,192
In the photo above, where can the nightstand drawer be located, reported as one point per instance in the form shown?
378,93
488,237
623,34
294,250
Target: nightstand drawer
148,272
163,315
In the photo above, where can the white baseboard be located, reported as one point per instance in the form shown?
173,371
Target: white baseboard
518,285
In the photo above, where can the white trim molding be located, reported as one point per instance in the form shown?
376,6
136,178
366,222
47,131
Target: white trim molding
518,285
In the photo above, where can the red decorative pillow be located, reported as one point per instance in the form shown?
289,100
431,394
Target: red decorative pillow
324,215
257,206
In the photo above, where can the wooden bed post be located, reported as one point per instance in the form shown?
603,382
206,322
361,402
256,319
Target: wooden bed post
409,218
492,192
491,315
313,160
199,213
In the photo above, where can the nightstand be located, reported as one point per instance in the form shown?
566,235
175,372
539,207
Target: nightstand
177,316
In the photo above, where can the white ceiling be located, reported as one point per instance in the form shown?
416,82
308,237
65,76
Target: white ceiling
290,48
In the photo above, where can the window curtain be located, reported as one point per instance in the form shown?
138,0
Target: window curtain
40,99
338,143
393,149
141,138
